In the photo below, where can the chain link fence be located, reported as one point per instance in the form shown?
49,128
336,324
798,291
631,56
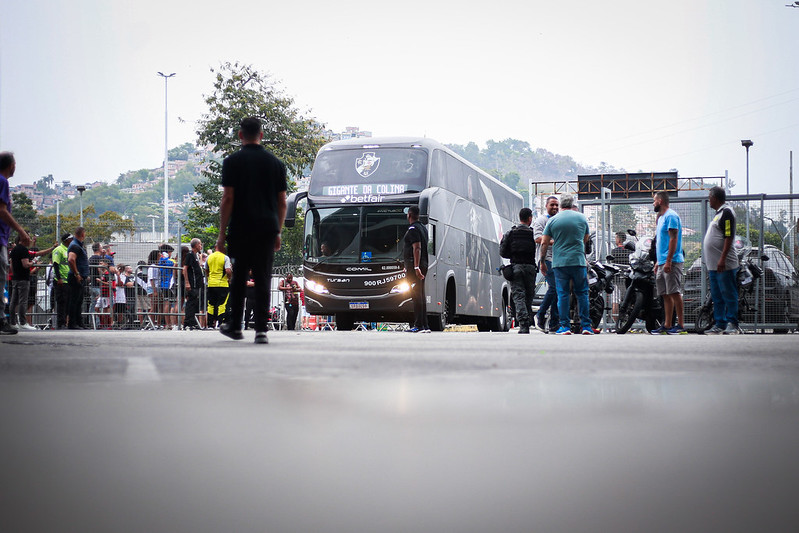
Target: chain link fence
768,221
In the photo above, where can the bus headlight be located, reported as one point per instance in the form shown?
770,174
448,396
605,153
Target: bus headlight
318,288
402,287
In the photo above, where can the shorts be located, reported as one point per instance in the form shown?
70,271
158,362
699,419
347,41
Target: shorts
103,303
670,282
168,295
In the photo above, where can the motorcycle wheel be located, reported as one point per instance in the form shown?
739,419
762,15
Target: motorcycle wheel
628,314
597,310
704,320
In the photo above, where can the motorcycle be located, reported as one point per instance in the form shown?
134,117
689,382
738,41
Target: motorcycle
748,274
640,299
600,282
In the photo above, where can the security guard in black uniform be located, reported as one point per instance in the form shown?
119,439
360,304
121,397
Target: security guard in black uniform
519,246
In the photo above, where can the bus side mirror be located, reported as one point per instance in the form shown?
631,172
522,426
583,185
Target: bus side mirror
424,207
291,207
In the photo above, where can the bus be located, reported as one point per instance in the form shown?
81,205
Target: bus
355,219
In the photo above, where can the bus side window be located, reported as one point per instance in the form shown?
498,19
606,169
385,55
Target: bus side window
431,239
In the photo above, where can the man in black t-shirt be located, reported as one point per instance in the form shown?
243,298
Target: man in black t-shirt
414,253
251,216
20,284
194,284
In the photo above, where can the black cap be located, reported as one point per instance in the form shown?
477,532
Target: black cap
65,237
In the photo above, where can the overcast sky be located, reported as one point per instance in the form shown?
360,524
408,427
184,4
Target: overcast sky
641,85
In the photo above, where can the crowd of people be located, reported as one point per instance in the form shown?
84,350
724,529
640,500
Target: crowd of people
253,209
559,239
95,292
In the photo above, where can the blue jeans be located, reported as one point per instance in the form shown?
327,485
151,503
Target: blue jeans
579,277
724,291
550,301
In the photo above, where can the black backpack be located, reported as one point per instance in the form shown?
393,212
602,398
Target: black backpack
504,244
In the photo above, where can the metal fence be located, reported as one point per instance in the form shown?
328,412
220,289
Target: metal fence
768,221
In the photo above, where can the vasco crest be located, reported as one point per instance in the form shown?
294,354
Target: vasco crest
367,164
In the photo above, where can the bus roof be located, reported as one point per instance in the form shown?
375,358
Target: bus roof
409,142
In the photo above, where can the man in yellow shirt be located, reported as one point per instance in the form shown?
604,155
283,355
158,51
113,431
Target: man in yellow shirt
218,269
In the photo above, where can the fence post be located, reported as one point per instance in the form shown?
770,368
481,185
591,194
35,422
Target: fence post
703,284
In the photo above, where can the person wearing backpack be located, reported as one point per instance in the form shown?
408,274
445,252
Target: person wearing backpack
518,245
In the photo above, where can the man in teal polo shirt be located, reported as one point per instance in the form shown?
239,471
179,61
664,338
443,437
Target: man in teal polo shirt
569,230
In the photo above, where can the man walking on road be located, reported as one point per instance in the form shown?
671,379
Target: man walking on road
8,166
550,301
569,231
722,264
251,216
518,245
669,270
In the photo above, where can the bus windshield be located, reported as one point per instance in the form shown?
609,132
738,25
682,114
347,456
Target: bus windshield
353,234
369,172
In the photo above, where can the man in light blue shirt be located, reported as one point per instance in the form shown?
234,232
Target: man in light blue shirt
669,275
569,231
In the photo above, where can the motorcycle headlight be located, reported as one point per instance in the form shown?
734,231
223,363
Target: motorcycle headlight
318,288
401,288
634,262
647,266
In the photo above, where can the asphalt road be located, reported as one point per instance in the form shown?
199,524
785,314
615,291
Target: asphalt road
384,431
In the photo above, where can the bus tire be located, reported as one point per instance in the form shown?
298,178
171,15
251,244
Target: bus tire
439,322
500,323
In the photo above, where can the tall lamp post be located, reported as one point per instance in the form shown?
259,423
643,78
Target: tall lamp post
746,143
80,189
166,156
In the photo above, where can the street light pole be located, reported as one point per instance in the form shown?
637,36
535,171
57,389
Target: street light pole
80,189
746,143
166,156
153,217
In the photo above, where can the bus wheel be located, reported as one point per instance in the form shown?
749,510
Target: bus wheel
344,322
439,322
500,323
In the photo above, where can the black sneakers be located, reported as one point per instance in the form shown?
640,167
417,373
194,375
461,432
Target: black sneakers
227,331
261,338
7,329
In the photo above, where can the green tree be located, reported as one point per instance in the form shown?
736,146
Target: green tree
24,213
182,152
45,184
98,228
622,218
240,91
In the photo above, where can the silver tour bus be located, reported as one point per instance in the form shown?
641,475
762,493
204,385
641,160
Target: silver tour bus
357,203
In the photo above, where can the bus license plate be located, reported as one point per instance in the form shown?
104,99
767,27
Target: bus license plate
359,305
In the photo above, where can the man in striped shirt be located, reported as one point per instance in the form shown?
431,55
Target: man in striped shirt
722,264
